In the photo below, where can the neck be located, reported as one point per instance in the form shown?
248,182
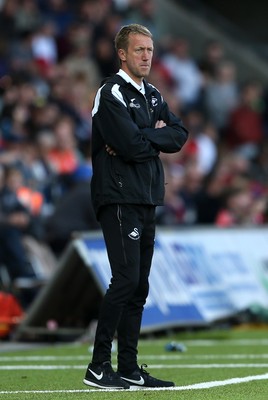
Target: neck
136,79
129,78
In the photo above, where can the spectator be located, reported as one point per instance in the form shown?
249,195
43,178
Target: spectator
17,101
240,209
36,167
184,71
182,190
161,78
64,156
103,48
189,192
209,198
44,115
19,55
259,165
230,171
76,204
31,199
94,12
220,95
213,55
172,212
143,13
202,146
78,61
245,129
44,47
28,17
59,12
15,222
8,14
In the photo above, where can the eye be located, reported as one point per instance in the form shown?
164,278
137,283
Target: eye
143,49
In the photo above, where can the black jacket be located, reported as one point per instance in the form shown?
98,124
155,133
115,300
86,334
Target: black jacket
124,119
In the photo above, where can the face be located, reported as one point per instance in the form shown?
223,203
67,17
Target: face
137,59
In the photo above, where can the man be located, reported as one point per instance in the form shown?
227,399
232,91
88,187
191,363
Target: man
131,125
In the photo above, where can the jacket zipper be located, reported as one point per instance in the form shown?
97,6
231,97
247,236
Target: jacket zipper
120,183
148,109
119,214
150,167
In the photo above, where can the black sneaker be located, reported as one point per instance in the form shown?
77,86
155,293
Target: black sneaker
141,378
104,377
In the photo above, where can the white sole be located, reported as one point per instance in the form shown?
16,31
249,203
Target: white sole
89,383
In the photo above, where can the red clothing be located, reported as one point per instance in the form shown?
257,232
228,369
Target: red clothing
245,126
11,313
64,162
31,199
225,219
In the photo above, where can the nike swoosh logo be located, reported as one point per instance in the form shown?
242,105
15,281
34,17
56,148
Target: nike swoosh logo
97,376
140,382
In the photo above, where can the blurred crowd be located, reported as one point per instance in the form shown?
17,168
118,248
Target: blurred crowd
53,57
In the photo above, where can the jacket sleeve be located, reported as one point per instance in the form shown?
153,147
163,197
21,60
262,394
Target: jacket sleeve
119,131
170,138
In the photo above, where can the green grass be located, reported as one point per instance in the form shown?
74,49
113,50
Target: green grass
210,356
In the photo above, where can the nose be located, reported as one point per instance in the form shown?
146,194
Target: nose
146,55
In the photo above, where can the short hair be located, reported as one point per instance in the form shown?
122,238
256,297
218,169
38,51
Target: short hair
121,39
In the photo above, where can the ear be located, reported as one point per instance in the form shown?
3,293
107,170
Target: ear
122,54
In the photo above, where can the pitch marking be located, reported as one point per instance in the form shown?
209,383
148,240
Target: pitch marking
196,386
147,357
153,366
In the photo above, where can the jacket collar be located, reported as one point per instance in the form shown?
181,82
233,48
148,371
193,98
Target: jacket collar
128,79
118,78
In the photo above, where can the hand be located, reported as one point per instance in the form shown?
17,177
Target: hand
160,124
110,150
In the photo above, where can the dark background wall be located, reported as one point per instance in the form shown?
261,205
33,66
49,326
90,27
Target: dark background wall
249,16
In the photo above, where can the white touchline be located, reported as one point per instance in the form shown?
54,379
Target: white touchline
209,342
196,386
147,357
153,366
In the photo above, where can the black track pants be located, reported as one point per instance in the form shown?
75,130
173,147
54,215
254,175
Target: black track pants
129,232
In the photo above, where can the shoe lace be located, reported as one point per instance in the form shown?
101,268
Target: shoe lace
146,374
143,370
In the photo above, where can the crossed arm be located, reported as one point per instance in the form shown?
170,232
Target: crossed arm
159,124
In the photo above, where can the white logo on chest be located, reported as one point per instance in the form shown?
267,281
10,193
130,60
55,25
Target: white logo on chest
134,104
